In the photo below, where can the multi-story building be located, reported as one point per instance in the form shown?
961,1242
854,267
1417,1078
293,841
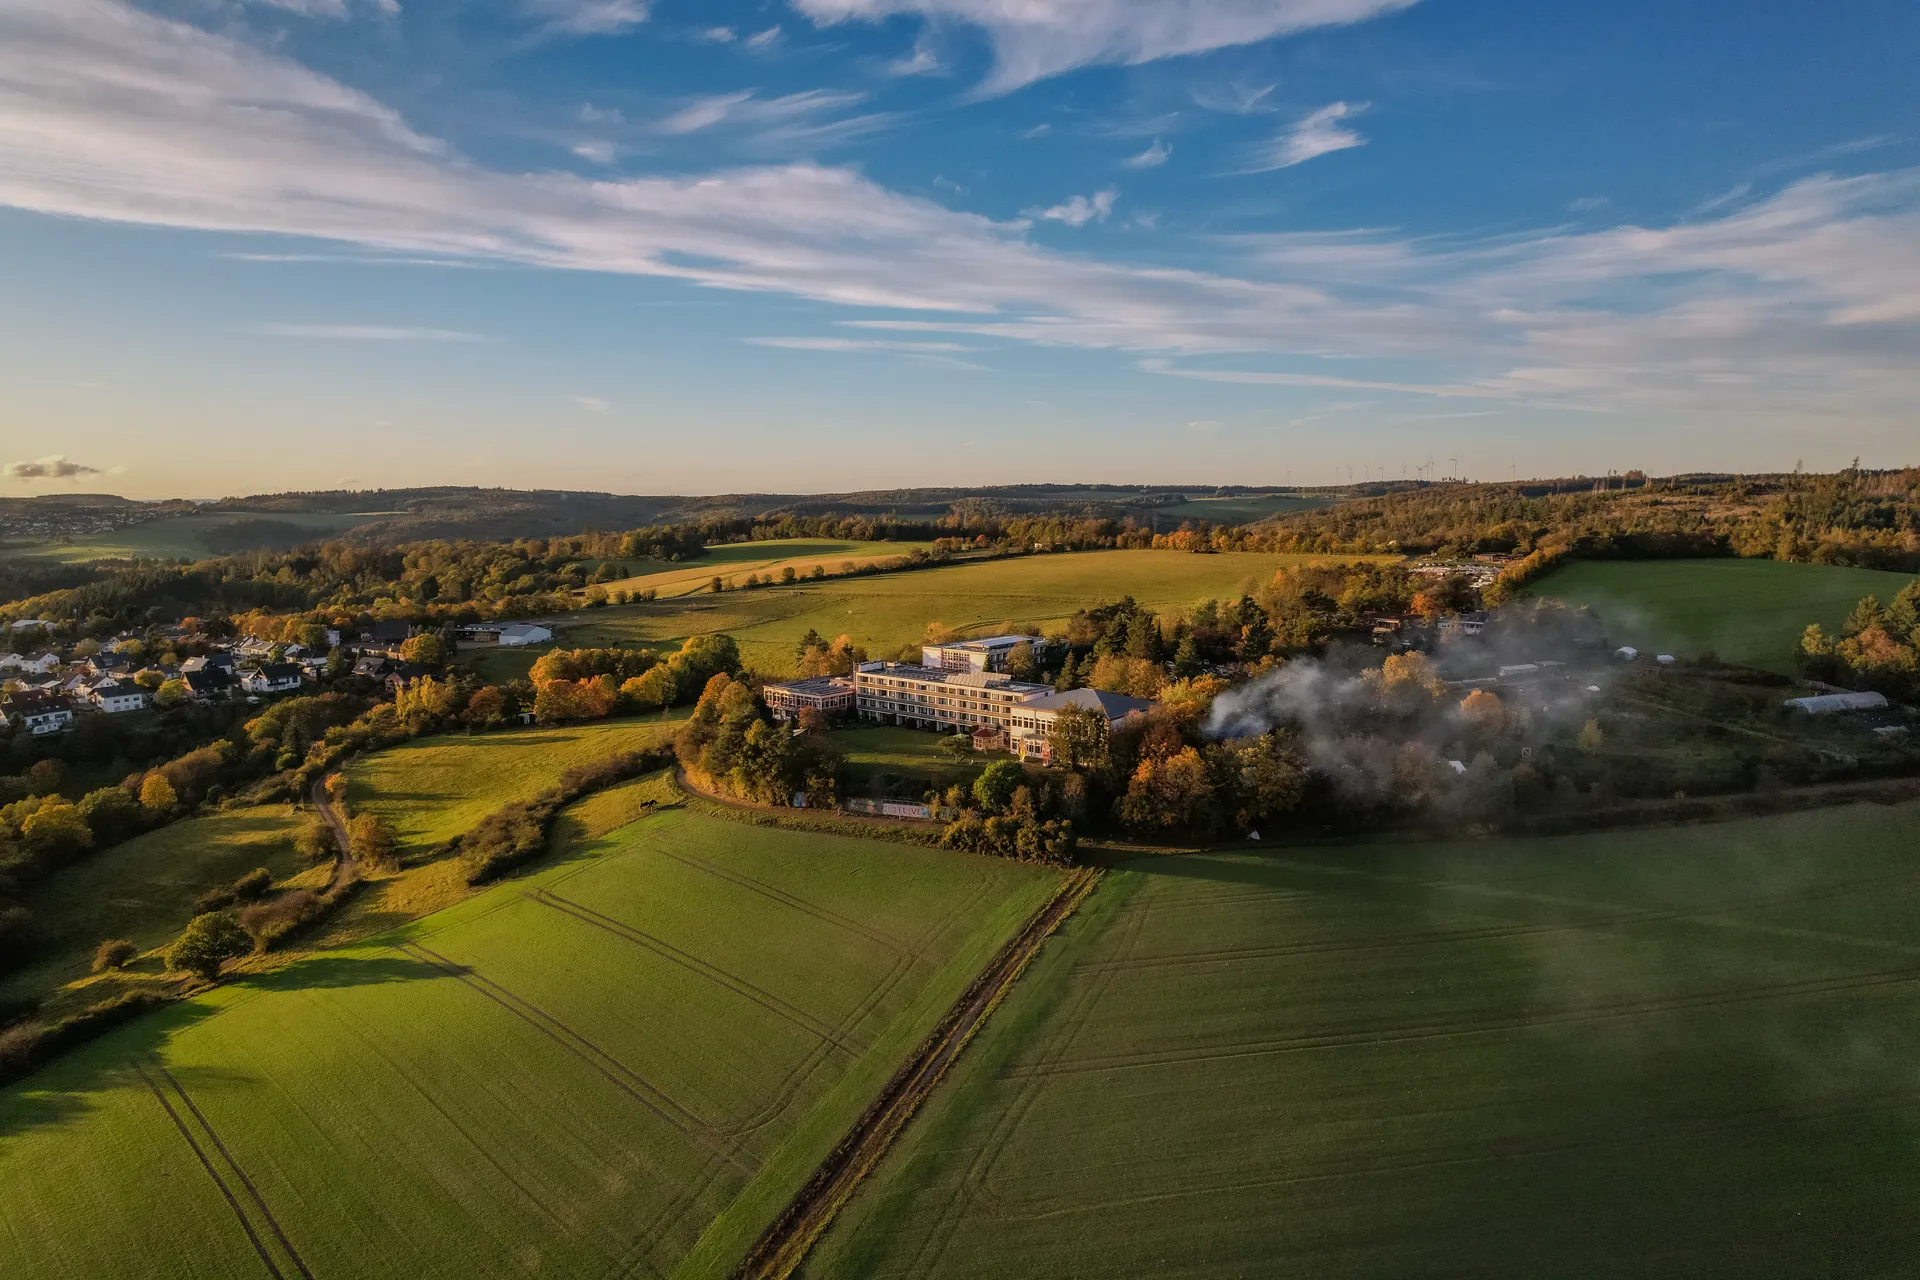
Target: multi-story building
829,695
989,653
987,704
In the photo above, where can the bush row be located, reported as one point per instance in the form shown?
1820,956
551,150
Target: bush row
516,834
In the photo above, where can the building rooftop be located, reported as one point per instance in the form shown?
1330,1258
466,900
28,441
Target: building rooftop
1115,706
815,685
964,679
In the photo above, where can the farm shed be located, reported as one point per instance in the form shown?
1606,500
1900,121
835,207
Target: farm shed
1826,704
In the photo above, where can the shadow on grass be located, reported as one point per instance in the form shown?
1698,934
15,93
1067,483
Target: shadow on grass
67,1089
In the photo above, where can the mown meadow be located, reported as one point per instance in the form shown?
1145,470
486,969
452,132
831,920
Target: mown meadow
432,789
1749,612
885,612
622,1064
1665,1052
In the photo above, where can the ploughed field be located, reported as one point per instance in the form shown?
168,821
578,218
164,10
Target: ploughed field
1749,612
1672,1052
621,1065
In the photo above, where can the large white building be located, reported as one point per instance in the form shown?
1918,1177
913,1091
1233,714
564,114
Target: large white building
989,653
925,697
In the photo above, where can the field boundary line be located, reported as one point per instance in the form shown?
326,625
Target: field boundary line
199,1153
787,1240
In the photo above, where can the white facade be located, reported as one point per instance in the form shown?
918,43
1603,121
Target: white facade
115,698
989,653
518,633
966,701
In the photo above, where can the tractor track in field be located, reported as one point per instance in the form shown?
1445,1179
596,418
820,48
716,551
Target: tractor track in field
200,1153
785,1243
1362,1037
752,993
784,898
610,1068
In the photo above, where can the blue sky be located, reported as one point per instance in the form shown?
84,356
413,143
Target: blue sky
782,245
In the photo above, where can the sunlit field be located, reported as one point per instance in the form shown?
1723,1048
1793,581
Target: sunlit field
1673,1052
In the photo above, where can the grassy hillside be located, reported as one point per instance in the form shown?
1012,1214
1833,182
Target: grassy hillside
1747,611
737,560
1243,508
1678,1052
887,611
196,537
621,1065
144,889
432,789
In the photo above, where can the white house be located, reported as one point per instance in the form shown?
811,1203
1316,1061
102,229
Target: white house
115,696
274,677
38,665
41,713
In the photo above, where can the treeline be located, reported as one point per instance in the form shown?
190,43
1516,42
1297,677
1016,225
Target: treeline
1878,647
1854,517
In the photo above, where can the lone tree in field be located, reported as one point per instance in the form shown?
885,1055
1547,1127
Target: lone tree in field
114,953
993,790
209,942
371,840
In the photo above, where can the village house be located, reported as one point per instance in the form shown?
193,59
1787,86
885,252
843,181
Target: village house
114,696
39,713
273,677
209,684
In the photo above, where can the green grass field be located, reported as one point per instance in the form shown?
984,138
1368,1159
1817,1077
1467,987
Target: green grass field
738,559
432,789
143,889
885,612
182,537
1680,1052
1243,508
1747,611
623,1064
882,749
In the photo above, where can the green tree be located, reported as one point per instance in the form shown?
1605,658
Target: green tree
1186,658
314,840
207,943
1078,739
56,829
993,789
111,813
427,649
1591,737
655,690
1020,661
172,693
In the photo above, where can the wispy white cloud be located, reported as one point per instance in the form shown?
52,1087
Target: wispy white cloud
1805,301
1080,210
717,35
589,17
1153,157
367,333
763,39
856,344
592,404
796,120
1034,39
1317,134
921,60
597,151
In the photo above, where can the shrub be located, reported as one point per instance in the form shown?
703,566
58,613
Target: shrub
26,1048
314,840
253,886
156,793
114,953
993,790
207,943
